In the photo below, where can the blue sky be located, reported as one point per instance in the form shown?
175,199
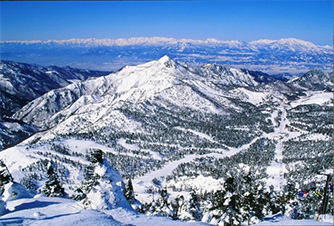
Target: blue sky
225,20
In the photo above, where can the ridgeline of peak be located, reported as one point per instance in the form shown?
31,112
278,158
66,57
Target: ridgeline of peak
314,79
163,79
167,61
22,82
227,75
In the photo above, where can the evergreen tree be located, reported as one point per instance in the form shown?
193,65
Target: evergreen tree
52,186
177,205
128,191
95,156
232,215
274,202
164,196
91,179
194,207
226,204
253,198
5,176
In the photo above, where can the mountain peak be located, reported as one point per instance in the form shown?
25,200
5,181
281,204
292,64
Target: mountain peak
167,61
295,44
314,79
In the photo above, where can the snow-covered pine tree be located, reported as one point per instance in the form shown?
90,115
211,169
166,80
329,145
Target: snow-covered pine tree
128,191
162,206
164,196
177,205
52,187
253,198
95,156
90,180
232,215
226,205
159,206
103,187
5,176
274,201
191,210
292,204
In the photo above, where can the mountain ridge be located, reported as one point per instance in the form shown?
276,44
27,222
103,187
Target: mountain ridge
166,40
21,82
289,55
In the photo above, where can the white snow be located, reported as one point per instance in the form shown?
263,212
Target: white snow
131,218
314,98
287,221
123,143
65,212
14,191
277,168
52,211
251,96
82,145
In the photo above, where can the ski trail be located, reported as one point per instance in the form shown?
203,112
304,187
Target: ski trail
277,168
140,184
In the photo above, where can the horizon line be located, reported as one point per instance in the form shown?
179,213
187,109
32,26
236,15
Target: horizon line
153,39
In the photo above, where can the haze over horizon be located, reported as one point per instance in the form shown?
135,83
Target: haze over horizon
153,39
222,20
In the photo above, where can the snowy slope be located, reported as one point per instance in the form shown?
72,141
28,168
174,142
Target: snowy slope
59,211
13,132
227,76
314,80
161,82
21,83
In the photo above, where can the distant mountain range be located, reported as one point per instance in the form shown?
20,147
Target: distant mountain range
275,57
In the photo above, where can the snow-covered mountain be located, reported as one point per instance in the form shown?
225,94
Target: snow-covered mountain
20,83
288,55
163,83
190,138
289,43
13,132
314,80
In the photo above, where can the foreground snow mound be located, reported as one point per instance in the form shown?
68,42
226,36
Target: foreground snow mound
52,211
65,212
13,191
108,193
326,218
